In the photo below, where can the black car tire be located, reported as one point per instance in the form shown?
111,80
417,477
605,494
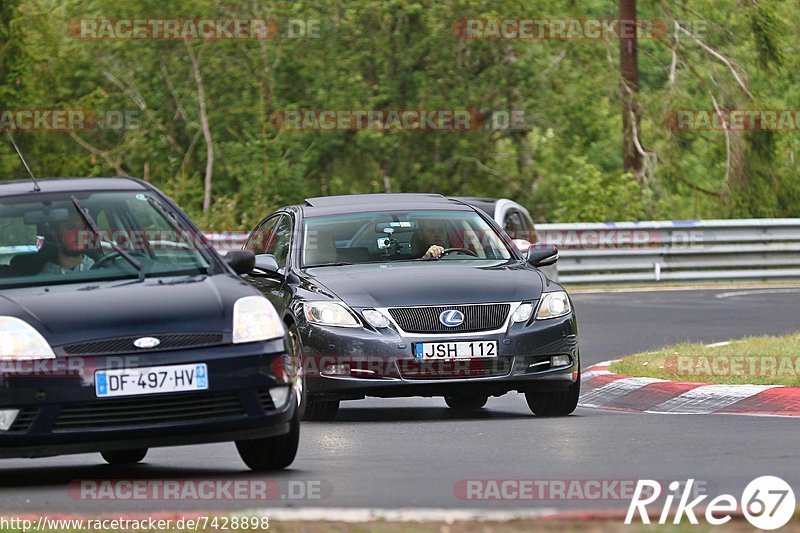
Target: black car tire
559,403
124,457
309,408
272,453
318,410
466,402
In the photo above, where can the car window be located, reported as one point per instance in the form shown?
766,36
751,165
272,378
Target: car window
530,229
399,236
514,225
279,246
45,239
262,236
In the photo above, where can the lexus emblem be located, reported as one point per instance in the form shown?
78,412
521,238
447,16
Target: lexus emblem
146,342
451,318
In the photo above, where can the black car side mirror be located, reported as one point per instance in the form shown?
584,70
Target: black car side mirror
266,264
241,261
541,255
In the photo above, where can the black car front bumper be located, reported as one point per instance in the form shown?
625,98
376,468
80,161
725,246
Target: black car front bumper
381,362
59,412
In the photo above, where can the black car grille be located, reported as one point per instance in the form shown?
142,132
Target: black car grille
455,369
132,412
174,341
24,420
426,319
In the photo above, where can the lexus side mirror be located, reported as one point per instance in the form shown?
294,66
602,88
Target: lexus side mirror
541,255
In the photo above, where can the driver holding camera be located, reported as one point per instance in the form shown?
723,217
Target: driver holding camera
431,238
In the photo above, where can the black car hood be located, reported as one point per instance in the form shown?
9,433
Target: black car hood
66,314
430,283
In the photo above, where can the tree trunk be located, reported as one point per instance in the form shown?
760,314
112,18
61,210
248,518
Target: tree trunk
201,98
629,70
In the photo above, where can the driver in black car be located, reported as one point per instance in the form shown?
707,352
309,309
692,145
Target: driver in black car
66,235
431,239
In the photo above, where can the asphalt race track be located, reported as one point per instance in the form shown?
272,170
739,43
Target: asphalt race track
411,453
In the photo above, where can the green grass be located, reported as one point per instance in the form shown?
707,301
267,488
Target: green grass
754,360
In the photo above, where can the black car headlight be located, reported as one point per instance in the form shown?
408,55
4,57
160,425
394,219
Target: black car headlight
255,319
553,305
376,319
522,313
330,314
20,341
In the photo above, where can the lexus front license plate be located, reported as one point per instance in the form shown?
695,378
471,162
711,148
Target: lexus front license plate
433,351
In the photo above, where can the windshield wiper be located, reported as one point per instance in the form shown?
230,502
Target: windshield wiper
333,264
114,246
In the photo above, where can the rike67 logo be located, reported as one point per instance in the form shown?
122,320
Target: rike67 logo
767,502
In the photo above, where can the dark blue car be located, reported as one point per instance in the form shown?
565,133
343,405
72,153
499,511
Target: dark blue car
122,330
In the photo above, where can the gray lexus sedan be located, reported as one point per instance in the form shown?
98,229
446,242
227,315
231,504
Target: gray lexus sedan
394,295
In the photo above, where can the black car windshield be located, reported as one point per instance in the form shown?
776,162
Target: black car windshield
44,239
399,236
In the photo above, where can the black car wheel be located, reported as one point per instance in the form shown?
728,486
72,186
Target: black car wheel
309,408
272,453
466,403
560,403
125,457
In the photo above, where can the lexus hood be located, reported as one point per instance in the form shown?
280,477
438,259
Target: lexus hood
430,283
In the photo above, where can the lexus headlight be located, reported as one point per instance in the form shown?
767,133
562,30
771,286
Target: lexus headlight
553,305
330,314
19,340
255,319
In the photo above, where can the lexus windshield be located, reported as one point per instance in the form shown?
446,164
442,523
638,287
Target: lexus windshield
44,239
400,236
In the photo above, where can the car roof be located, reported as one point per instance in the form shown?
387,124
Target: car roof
487,205
56,185
359,203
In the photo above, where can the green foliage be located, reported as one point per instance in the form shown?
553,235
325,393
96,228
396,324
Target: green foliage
394,54
582,192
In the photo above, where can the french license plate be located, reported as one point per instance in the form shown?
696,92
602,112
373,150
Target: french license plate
151,380
436,351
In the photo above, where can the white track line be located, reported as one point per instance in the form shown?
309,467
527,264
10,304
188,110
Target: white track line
352,516
611,391
708,398
756,291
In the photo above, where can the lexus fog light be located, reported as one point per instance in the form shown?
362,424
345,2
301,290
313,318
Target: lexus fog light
7,418
560,360
337,370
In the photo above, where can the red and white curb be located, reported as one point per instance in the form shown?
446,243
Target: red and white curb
605,390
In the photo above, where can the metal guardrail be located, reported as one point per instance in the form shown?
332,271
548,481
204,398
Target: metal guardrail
676,251
656,252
